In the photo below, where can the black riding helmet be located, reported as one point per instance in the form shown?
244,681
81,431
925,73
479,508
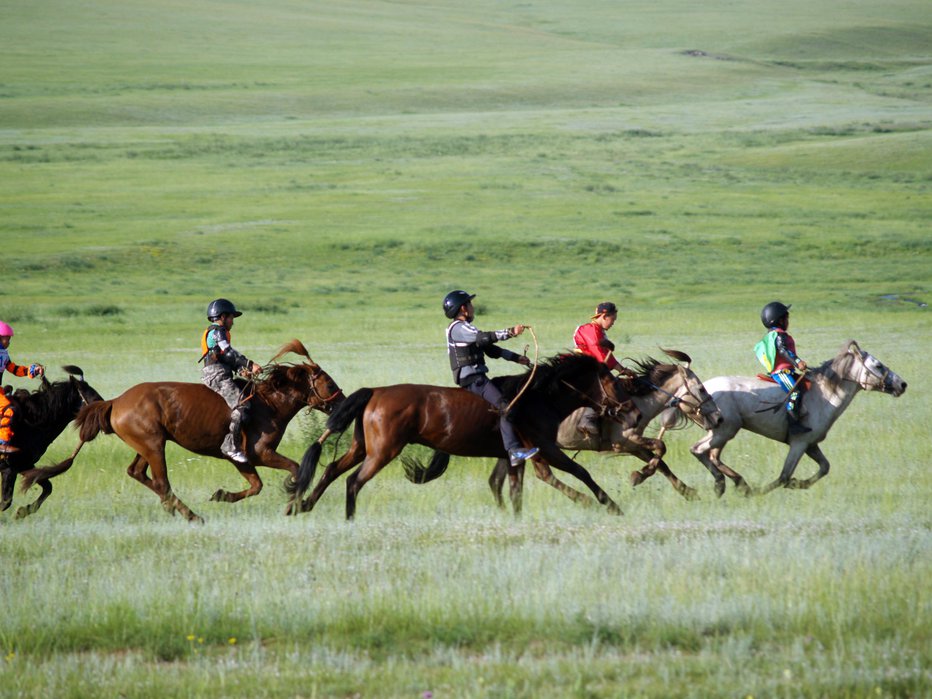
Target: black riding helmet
772,313
218,307
453,301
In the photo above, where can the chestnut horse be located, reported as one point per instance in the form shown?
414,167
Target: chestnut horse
42,415
454,421
148,415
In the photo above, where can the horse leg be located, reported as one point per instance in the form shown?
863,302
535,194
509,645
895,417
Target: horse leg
516,486
371,465
543,472
814,453
655,463
32,507
248,472
7,482
158,483
497,481
797,450
557,459
353,456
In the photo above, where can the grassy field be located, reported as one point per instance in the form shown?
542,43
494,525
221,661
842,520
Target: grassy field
336,168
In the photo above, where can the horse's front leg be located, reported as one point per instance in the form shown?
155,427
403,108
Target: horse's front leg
497,481
552,454
543,472
248,472
34,506
814,453
7,481
797,449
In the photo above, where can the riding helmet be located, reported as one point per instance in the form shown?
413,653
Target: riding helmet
772,313
453,301
218,307
5,329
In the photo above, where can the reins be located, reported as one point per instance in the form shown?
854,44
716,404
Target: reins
530,377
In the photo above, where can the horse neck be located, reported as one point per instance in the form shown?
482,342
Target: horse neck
652,403
59,410
284,404
835,394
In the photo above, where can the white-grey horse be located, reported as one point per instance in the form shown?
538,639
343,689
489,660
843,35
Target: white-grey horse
757,405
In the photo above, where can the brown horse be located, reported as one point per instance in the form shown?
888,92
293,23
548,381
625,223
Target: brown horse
454,421
148,415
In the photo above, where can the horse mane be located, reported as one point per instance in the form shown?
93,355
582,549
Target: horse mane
550,375
650,372
277,375
45,403
835,369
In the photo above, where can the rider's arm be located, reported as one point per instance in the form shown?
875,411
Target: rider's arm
467,333
783,348
32,371
229,356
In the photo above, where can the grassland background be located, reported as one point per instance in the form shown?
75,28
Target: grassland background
336,168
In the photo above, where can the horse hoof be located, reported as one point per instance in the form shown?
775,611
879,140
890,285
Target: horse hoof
22,513
720,488
691,494
220,496
746,490
613,509
636,478
794,484
195,519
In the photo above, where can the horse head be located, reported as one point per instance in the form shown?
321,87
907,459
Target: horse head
869,372
84,390
321,392
691,396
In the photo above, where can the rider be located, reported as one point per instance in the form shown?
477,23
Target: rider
590,338
7,409
777,352
220,361
467,347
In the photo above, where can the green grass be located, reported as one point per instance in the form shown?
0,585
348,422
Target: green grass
336,168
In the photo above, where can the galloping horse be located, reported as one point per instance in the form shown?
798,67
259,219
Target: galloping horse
456,422
757,405
42,416
148,415
656,387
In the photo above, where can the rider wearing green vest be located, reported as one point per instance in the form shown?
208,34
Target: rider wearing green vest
777,352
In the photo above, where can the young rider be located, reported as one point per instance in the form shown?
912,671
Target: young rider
590,338
467,347
220,361
7,410
777,352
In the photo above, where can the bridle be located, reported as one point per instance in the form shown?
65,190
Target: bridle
694,407
318,397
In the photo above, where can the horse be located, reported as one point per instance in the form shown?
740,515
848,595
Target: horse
757,405
42,416
655,387
453,421
148,415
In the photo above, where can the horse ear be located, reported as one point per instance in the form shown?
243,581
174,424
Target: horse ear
853,346
678,356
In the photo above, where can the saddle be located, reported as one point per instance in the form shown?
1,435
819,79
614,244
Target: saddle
805,385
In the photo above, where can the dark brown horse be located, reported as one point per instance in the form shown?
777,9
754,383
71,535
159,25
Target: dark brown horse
148,415
42,415
454,421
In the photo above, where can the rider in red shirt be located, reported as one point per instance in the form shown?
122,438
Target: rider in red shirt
590,339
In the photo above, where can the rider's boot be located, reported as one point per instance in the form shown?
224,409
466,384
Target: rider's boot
229,447
792,412
516,457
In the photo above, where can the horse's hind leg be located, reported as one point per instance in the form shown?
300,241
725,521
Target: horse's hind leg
543,471
516,486
497,481
33,507
255,486
158,483
789,466
353,456
814,453
371,465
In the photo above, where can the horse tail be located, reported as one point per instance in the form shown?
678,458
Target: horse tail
92,419
417,473
341,418
349,410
